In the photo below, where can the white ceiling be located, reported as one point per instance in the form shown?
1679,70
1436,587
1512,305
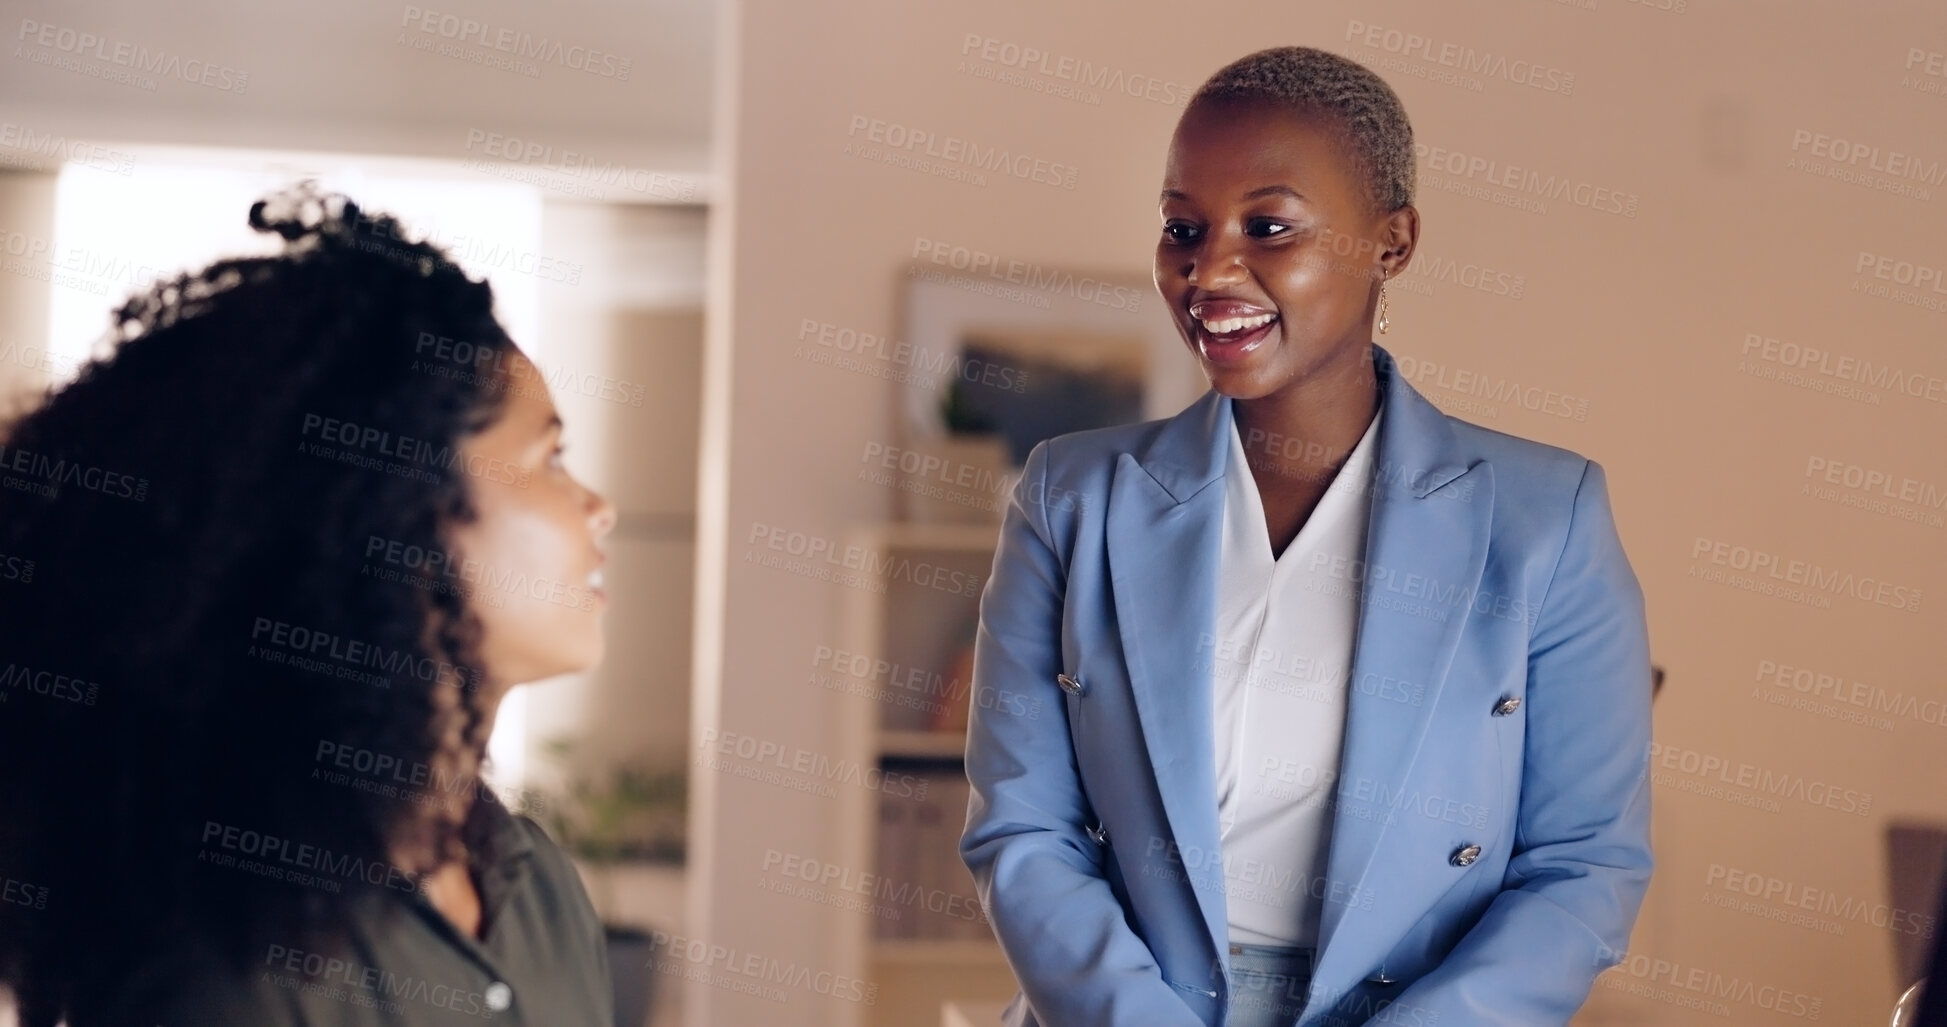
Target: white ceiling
344,75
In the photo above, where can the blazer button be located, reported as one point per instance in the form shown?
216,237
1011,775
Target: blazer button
1099,833
1465,856
1379,977
1073,686
1506,706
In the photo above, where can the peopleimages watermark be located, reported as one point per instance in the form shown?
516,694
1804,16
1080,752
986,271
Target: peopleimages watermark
379,449
1480,385
1925,71
1526,187
399,242
981,287
1865,165
1798,580
408,780
1703,989
1901,281
332,654
1073,78
951,156
761,759
78,268
1486,63
1026,274
1700,767
1858,702
21,893
1820,909
1263,882
431,568
516,43
281,859
17,569
1308,460
1367,798
39,358
909,364
492,366
43,475
533,162
1409,587
826,560
62,150
1821,370
862,891
116,60
370,987
747,972
1874,491
933,476
1431,268
911,687
48,684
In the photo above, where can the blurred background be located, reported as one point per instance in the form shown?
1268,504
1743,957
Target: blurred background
807,280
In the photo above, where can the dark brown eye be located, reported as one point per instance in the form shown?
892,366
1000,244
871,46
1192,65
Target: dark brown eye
1178,231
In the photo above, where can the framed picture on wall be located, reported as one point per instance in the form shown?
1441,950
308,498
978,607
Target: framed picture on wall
1019,357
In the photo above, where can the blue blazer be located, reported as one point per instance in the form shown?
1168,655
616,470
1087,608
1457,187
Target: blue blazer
1490,843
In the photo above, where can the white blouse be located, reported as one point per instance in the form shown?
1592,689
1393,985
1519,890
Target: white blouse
1283,641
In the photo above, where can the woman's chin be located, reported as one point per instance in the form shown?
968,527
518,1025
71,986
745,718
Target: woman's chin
1237,382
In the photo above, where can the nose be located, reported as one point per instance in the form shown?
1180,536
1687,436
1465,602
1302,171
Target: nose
601,514
1215,266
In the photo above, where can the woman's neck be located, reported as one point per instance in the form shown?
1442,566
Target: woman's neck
1303,433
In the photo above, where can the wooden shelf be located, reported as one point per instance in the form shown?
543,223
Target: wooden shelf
925,745
912,628
937,952
972,538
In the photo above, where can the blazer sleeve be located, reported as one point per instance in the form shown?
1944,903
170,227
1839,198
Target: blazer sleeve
1038,873
1581,859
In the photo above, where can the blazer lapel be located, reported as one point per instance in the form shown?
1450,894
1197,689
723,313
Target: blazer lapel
1164,525
1409,627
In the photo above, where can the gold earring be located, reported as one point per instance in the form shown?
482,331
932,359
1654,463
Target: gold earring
1383,323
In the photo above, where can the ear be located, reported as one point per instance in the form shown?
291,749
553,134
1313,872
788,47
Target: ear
1399,233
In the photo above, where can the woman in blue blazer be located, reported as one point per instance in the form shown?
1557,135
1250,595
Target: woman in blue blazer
1486,845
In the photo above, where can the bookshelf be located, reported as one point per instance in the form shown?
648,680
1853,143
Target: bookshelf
905,714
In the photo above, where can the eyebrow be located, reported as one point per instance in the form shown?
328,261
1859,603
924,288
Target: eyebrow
1269,190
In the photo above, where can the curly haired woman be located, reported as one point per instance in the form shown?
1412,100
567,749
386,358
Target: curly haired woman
284,551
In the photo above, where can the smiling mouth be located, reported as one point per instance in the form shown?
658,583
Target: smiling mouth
1227,339
1233,327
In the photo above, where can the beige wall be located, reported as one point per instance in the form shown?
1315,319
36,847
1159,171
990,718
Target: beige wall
1691,115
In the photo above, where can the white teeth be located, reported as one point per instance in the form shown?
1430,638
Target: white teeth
595,578
1237,324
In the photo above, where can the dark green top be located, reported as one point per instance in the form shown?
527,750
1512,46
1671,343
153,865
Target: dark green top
541,960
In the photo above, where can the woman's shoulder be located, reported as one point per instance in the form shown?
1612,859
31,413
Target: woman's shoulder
1080,450
1527,467
554,877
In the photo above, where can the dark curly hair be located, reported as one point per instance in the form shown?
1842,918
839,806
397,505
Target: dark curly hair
1365,110
190,618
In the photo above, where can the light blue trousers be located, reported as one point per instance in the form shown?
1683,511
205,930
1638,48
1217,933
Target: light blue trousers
1269,985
